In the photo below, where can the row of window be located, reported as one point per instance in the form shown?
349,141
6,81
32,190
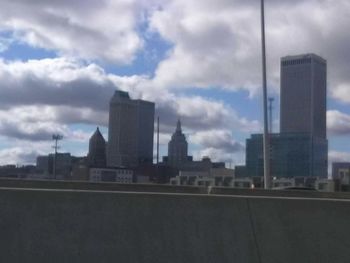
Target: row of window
113,172
296,62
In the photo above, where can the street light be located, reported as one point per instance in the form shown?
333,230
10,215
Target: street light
56,138
266,132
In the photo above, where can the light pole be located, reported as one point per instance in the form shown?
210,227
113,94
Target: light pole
157,140
56,138
267,178
271,99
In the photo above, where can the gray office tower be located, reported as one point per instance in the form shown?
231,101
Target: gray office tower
303,95
304,107
301,147
130,131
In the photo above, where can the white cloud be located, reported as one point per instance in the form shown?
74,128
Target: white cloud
219,145
218,45
336,156
214,44
71,92
23,153
104,30
217,139
38,123
219,155
58,82
341,92
338,123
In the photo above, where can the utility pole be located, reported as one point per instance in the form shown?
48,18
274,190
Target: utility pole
270,114
56,138
266,142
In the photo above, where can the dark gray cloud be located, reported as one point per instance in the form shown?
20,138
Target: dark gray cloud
15,131
36,88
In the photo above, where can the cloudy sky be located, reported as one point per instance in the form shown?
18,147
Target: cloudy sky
61,60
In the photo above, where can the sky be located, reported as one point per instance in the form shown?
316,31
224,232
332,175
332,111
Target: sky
200,61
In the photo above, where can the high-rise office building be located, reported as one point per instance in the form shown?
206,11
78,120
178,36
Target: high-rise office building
304,95
300,149
130,131
97,150
304,106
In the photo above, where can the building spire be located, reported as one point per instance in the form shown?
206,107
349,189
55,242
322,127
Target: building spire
178,126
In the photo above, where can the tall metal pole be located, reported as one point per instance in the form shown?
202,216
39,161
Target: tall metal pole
157,139
267,178
55,158
56,138
270,114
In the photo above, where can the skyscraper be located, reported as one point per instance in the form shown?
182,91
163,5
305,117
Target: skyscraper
130,131
304,106
304,94
97,150
301,147
177,147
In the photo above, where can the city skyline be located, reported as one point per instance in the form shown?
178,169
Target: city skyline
202,68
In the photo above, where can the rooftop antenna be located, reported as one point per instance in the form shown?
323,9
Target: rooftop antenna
271,99
56,138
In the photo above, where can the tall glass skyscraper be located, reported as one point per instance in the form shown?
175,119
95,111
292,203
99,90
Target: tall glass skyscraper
301,147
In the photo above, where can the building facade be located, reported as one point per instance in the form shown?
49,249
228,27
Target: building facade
340,170
130,131
291,155
117,175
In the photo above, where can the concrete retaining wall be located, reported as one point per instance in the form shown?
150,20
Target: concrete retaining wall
96,226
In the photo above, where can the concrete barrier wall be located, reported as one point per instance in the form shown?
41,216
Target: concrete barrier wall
108,186
96,226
